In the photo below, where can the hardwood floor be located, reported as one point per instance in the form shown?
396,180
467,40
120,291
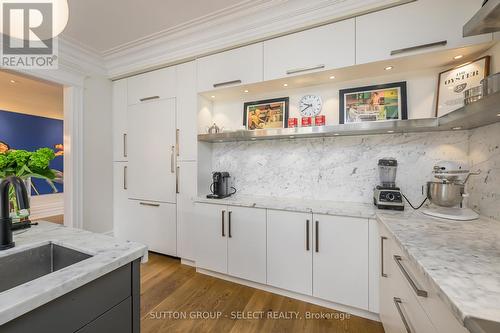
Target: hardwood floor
59,219
174,298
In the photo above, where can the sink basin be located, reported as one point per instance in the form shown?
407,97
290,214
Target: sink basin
31,264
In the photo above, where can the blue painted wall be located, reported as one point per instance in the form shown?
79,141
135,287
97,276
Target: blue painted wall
21,131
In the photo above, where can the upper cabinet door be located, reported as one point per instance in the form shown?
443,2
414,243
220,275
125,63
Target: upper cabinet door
120,121
231,68
154,85
326,47
151,141
416,27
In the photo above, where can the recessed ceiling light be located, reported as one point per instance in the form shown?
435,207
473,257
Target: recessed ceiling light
332,77
498,115
13,81
336,134
458,57
285,85
390,131
245,91
291,137
388,68
212,96
457,128
253,139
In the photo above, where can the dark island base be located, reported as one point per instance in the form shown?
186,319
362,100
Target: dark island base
110,303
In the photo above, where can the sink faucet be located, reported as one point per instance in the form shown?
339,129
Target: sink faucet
6,241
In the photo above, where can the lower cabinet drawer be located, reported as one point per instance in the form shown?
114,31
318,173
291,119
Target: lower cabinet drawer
117,319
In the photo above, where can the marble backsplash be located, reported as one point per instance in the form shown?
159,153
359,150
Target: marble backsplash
339,169
484,154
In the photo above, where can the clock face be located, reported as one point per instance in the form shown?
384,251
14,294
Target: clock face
310,106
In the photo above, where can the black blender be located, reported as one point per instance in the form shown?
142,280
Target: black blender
387,195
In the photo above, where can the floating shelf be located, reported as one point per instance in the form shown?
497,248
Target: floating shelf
481,113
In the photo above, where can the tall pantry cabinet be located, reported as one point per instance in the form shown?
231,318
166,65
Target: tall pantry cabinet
155,152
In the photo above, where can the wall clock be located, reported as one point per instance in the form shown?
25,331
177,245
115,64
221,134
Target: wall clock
310,106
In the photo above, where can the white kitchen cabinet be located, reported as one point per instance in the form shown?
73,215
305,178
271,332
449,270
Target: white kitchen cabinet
246,248
187,112
158,84
230,68
415,24
153,224
327,47
187,190
340,261
120,197
211,237
151,145
120,121
289,251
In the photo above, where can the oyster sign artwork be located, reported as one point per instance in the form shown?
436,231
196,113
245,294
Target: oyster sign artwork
29,31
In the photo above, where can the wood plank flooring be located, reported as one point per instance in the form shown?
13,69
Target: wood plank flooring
174,298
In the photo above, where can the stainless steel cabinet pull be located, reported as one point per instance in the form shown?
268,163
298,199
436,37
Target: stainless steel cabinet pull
382,273
229,226
125,185
177,185
398,302
149,204
223,227
307,236
149,98
228,83
172,160
306,69
177,148
125,145
418,291
317,236
418,47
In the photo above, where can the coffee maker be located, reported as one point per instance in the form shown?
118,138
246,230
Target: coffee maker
387,195
220,186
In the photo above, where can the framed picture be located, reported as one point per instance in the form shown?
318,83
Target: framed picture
453,82
271,113
373,103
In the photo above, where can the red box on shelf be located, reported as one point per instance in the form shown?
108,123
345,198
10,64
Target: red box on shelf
292,122
306,121
320,120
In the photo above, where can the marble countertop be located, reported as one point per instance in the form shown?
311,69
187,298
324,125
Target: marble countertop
461,259
297,205
107,253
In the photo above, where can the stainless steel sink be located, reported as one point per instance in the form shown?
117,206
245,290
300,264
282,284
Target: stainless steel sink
22,267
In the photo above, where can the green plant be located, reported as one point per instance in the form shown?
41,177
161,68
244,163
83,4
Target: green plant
25,165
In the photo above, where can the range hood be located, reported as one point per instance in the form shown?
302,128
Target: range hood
486,20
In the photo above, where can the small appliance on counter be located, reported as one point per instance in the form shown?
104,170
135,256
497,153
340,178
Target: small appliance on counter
220,188
447,193
387,195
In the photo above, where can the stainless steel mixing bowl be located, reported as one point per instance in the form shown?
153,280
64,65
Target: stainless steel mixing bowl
445,194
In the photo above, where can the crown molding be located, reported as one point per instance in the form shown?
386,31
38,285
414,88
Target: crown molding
80,58
242,24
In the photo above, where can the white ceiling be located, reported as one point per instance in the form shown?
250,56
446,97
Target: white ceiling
105,24
30,96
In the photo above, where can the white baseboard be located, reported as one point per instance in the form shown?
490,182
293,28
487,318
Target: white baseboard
188,262
109,233
47,205
309,299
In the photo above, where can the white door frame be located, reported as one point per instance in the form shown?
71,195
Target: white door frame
73,83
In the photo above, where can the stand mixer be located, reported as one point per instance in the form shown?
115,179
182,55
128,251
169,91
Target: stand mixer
448,192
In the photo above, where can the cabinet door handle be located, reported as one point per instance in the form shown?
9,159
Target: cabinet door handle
223,227
149,204
418,47
397,303
172,159
382,272
307,235
228,83
149,98
229,226
177,146
305,69
418,291
125,185
177,185
125,145
317,236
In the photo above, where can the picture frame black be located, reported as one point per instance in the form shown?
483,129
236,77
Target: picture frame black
285,101
380,87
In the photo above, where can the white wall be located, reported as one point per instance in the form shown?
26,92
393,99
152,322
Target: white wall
97,156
